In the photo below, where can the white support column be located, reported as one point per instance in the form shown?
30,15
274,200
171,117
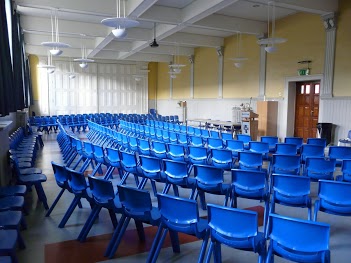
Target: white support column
329,22
170,88
191,60
262,76
220,72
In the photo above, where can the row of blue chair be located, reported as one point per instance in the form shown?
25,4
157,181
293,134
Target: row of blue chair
279,243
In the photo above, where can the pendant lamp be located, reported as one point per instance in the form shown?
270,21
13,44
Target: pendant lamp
238,59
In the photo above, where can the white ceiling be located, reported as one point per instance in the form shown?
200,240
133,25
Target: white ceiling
185,23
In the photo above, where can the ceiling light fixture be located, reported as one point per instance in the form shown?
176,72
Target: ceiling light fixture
239,59
84,60
49,67
120,23
71,73
141,72
55,43
154,42
175,67
271,40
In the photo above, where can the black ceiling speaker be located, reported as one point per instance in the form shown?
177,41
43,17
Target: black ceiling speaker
154,42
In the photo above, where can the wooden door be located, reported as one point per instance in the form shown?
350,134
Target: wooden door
307,109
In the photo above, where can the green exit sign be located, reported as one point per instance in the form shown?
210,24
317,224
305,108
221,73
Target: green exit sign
303,72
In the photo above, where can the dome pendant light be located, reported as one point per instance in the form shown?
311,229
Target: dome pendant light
271,41
239,59
49,67
154,42
120,23
84,60
55,43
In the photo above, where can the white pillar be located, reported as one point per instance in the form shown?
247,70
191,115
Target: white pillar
220,72
191,60
329,22
262,73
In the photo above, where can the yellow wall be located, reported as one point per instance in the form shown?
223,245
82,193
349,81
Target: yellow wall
163,81
152,80
306,40
33,64
206,73
342,70
241,82
181,84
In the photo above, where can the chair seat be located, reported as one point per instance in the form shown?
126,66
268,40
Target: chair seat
342,209
5,259
32,178
32,170
10,219
13,190
11,203
239,243
8,240
24,165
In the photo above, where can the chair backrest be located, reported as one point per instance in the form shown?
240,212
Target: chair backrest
299,235
196,141
259,147
320,168
182,219
159,149
173,138
208,176
285,164
197,155
214,143
128,161
136,202
271,140
244,138
112,157
286,148
298,141
190,130
98,152
250,160
246,182
346,170
291,185
317,141
334,192
311,150
214,134
221,220
143,146
102,190
150,166
77,181
61,176
235,146
222,158
88,150
182,138
226,136
176,152
340,152
175,171
197,132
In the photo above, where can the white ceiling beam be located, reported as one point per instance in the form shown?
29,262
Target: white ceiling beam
163,14
135,8
169,50
150,57
231,24
192,40
123,46
320,7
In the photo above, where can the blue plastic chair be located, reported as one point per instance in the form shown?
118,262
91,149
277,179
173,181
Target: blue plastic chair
245,139
298,240
177,152
136,205
144,147
8,241
250,161
226,136
197,155
320,168
129,165
271,140
250,185
214,134
184,219
173,138
235,146
334,198
210,179
80,190
113,161
291,190
285,164
13,220
317,141
235,228
177,174
13,190
286,148
159,149
259,147
214,143
182,138
151,170
104,197
346,171
196,141
222,159
339,153
311,150
298,141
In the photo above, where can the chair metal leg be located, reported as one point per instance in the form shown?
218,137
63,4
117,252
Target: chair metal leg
119,238
41,194
69,211
174,241
113,218
209,253
140,229
89,223
203,248
115,236
153,255
55,202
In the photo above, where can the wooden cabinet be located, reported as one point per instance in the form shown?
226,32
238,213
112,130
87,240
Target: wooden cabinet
268,115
